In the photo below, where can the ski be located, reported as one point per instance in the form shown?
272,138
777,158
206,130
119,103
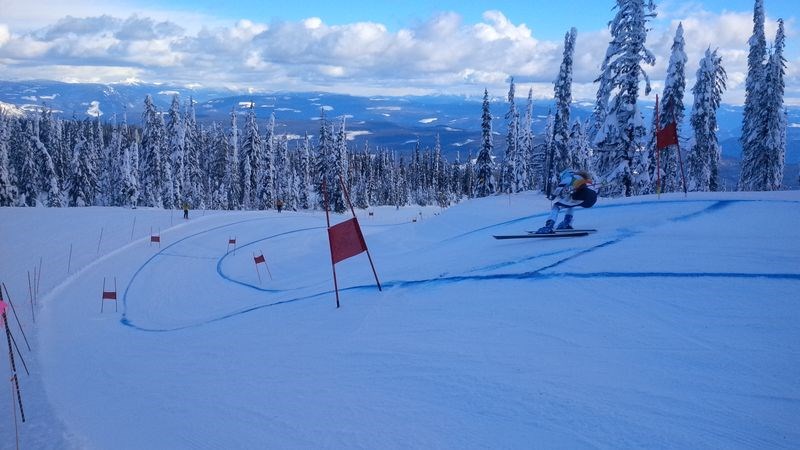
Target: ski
562,234
575,230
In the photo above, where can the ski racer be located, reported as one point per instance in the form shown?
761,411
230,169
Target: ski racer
573,190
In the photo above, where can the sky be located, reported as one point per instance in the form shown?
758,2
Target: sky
365,47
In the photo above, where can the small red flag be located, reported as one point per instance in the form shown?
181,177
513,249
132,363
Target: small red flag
112,295
2,307
667,136
232,241
260,259
155,239
346,240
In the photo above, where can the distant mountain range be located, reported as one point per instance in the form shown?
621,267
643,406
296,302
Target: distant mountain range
392,122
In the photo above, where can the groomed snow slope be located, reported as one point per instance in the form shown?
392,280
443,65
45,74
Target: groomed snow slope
675,325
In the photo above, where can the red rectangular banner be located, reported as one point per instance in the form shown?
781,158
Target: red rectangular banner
109,295
667,136
346,240
260,259
155,238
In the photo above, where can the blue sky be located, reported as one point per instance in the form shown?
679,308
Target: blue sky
548,18
364,47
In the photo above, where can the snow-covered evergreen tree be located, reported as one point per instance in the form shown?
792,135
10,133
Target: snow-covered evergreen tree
704,157
672,110
195,180
152,149
270,168
525,169
754,90
773,117
484,176
250,153
619,140
560,155
176,148
580,152
507,179
8,191
304,173
81,185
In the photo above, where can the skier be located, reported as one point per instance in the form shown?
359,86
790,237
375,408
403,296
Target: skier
185,210
572,191
279,205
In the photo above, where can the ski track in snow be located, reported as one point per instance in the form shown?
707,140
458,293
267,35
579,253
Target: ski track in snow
542,273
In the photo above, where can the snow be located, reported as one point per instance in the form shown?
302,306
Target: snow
675,325
428,120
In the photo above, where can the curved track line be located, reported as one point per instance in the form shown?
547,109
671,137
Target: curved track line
538,274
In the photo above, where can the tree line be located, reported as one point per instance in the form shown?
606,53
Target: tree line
171,159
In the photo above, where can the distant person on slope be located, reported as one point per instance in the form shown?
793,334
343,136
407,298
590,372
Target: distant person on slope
573,190
185,210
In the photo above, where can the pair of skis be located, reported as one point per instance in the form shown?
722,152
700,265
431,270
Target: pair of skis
554,234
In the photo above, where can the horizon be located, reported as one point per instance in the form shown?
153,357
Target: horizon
366,50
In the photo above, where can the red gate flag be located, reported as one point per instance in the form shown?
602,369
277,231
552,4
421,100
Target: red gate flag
155,239
231,241
667,136
2,307
260,259
346,240
109,295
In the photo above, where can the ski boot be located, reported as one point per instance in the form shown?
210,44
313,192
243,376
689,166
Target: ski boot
547,228
565,224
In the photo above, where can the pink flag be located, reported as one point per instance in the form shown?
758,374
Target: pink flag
260,259
2,307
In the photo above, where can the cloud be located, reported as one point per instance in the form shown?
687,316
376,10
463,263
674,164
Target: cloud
442,54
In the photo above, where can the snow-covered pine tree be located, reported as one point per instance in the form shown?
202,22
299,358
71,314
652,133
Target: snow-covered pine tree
340,170
579,147
540,155
83,176
484,176
754,89
47,181
250,152
128,188
672,110
282,174
619,140
28,172
560,152
270,169
8,192
152,149
176,148
456,175
507,184
324,164
525,169
111,179
232,173
773,117
468,185
303,173
704,157
195,169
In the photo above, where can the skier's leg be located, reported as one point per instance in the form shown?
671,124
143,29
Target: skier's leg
551,220
566,224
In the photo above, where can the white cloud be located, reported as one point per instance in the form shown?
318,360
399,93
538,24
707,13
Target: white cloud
443,54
